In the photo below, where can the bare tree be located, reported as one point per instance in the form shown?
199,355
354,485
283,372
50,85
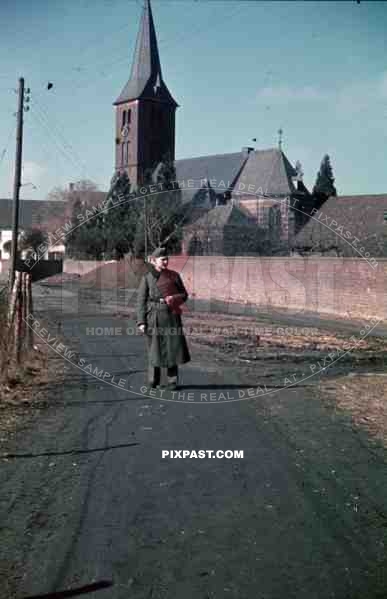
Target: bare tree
31,240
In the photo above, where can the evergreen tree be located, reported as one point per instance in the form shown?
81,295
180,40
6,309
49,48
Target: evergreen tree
164,212
324,186
72,240
92,238
121,217
87,238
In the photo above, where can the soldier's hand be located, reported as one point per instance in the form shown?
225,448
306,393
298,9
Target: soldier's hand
142,328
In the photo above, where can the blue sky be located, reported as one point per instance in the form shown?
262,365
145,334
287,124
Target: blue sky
238,69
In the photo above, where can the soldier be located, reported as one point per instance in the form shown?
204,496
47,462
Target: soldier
159,306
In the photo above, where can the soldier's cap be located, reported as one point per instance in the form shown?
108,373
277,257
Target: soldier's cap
159,253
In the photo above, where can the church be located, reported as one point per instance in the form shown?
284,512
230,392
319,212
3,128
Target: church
254,192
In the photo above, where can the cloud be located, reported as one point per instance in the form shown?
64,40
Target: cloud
365,99
286,93
383,85
32,172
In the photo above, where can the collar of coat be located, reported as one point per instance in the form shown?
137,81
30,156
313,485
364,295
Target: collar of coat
155,272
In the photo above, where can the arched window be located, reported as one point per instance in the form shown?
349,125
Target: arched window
125,153
124,115
275,222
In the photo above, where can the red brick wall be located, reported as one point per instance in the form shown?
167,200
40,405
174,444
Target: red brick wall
347,287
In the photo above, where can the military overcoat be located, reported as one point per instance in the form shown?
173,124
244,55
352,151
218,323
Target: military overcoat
167,345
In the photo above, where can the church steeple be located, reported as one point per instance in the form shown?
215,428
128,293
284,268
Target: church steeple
145,109
145,78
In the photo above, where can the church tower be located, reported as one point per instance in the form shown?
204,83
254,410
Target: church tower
145,110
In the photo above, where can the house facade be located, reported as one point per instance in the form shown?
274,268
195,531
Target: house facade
34,214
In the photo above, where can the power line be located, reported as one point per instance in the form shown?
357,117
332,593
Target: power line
36,134
3,153
198,30
49,135
58,130
45,122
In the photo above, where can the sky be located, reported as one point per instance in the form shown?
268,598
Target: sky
238,69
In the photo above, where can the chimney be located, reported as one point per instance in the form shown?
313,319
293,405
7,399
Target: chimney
299,176
246,150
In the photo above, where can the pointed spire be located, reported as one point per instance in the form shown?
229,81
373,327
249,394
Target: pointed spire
145,77
146,59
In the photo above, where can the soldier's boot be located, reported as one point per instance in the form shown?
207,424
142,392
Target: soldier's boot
172,374
154,376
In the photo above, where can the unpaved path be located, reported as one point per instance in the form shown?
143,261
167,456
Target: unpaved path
86,495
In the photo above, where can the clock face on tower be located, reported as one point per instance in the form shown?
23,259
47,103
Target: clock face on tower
125,131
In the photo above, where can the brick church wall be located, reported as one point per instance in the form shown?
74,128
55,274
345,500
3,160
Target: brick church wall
259,209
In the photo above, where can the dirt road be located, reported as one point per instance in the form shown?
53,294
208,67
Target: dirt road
86,495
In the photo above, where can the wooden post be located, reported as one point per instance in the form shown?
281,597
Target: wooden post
24,311
12,305
19,318
10,330
30,332
17,182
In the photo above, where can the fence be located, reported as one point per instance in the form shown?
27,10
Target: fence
18,337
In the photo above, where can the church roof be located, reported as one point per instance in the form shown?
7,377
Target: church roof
220,216
269,172
145,78
218,167
221,170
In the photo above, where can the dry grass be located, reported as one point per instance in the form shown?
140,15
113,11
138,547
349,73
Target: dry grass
364,398
3,326
23,390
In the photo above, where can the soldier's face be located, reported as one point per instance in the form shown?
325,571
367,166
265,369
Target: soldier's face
161,263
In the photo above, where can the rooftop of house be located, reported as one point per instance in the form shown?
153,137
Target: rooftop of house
341,219
32,213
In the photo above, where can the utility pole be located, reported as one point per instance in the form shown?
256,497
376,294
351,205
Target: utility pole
17,179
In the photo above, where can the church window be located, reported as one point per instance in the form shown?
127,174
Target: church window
124,115
275,222
125,153
129,116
